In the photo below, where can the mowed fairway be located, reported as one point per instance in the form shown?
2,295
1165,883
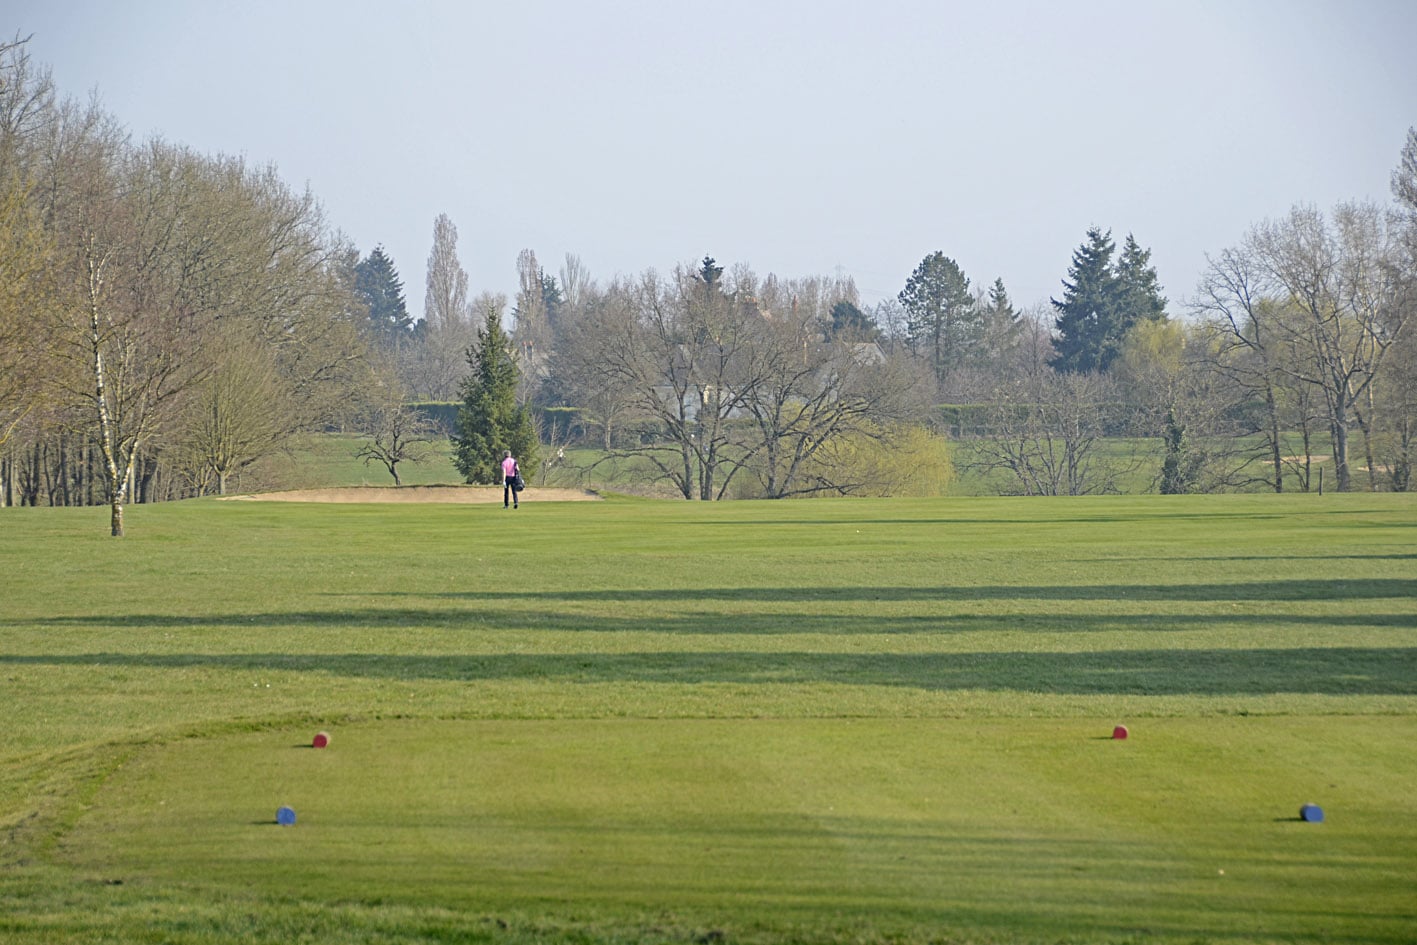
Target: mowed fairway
636,721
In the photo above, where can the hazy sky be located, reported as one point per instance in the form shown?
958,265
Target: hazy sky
801,138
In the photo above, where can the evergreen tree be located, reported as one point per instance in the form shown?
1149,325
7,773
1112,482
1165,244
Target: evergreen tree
1139,292
942,321
1177,469
490,420
553,300
710,273
1000,305
1002,326
1089,332
1103,301
849,321
378,285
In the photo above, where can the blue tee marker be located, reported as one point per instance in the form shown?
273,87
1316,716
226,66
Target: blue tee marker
1311,813
285,816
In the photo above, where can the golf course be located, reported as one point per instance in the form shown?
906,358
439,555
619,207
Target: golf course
645,721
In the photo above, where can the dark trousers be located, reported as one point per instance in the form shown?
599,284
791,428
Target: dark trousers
508,493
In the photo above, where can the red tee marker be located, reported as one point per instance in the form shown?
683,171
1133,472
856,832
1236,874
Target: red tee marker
321,739
1120,732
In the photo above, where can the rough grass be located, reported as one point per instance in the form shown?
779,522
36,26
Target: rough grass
643,721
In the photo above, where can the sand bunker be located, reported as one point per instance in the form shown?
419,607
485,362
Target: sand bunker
464,495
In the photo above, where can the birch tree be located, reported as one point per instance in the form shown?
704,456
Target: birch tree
121,324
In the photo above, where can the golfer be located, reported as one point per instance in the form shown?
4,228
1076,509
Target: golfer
510,472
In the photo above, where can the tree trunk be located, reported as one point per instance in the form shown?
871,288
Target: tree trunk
31,485
1277,454
62,475
144,489
89,475
1306,483
1402,460
1340,452
1365,421
51,486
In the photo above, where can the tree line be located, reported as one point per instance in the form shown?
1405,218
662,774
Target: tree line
1295,354
170,320
168,317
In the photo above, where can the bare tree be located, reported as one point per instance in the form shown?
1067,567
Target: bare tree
123,327
448,327
1343,281
236,414
26,257
1396,412
168,257
1046,432
1231,298
1404,188
730,379
532,331
679,357
1172,391
587,368
805,393
889,314
395,432
1313,303
575,281
27,108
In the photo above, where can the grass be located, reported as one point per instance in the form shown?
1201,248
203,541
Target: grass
651,721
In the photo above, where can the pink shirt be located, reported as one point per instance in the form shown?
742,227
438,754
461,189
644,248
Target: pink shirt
509,468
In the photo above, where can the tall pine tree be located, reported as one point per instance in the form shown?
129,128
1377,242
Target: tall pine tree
1102,302
942,322
490,421
378,285
1002,325
848,321
1139,292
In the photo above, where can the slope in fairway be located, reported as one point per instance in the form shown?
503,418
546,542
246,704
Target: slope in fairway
1014,826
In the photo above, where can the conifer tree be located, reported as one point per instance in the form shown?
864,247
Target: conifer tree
847,320
1103,301
1002,325
1000,305
943,323
1087,336
377,283
1139,292
490,421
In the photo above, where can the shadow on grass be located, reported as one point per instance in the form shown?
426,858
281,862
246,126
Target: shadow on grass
694,618
1299,590
1313,670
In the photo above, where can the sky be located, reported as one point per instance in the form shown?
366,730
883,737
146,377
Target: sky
812,138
